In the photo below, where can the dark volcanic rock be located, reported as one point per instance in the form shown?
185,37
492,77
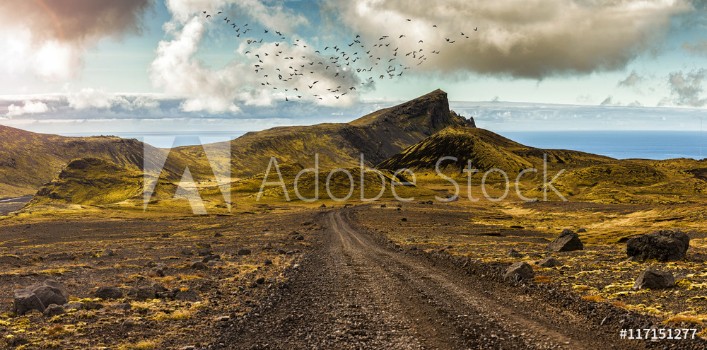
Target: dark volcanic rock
567,241
514,253
549,262
10,260
143,293
108,293
39,296
243,251
54,310
665,245
519,271
186,295
654,279
198,265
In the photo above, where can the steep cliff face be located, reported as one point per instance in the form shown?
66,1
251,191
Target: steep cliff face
377,136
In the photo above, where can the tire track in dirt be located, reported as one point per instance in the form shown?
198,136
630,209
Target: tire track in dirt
352,292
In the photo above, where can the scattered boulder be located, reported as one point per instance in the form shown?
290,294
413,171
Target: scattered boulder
549,262
54,310
203,251
664,245
199,265
63,256
142,293
654,279
267,262
107,292
74,305
218,234
187,252
10,260
519,271
186,295
122,306
40,296
211,257
514,253
243,251
582,230
567,241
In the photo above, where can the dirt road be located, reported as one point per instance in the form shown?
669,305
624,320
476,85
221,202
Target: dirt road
353,292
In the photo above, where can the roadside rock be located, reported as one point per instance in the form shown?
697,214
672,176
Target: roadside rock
519,271
107,292
567,241
514,253
549,262
54,310
39,296
664,245
654,279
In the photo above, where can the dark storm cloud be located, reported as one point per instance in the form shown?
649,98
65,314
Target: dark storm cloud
519,38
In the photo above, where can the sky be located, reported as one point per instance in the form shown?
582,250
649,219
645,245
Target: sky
163,66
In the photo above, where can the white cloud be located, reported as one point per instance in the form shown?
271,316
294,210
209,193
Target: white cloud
89,98
178,72
520,38
29,107
47,39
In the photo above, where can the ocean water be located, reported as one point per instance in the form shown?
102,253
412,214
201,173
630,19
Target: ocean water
615,144
620,144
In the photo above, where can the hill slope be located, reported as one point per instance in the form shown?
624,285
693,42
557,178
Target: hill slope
484,150
585,176
28,160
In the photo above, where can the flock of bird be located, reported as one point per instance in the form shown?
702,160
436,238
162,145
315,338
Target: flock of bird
378,60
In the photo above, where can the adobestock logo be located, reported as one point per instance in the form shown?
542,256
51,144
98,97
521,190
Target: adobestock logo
313,184
354,178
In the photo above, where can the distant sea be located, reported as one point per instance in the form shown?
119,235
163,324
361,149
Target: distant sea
615,144
620,144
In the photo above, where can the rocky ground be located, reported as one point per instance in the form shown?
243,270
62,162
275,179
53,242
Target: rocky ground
372,293
399,276
167,283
